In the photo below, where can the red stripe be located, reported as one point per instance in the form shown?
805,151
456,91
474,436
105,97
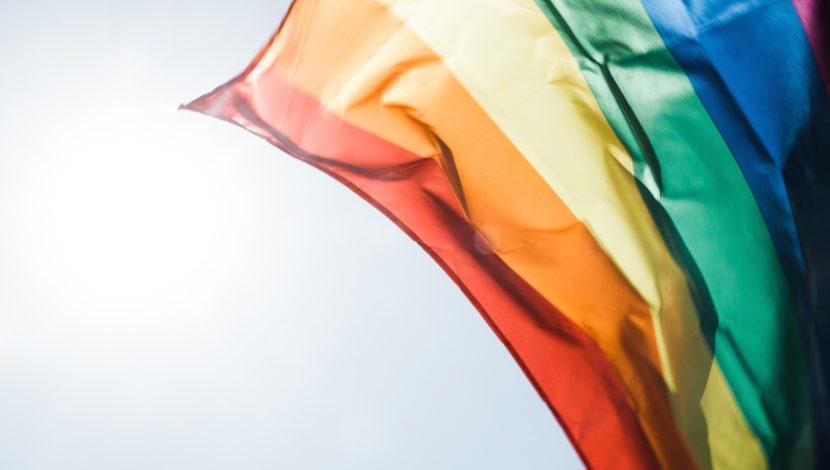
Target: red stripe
564,364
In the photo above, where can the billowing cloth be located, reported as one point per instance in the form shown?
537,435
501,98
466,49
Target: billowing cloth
635,195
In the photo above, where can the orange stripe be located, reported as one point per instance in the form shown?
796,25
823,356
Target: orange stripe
369,68
562,362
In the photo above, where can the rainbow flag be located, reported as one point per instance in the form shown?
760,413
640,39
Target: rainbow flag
634,194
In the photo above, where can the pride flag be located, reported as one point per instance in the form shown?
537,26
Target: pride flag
634,194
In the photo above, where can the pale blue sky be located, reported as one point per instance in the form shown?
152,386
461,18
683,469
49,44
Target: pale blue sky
177,294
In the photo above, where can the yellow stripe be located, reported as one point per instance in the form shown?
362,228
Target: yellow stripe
680,327
377,75
520,71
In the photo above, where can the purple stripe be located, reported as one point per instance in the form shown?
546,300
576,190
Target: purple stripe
813,13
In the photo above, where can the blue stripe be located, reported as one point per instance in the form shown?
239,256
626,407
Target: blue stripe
752,67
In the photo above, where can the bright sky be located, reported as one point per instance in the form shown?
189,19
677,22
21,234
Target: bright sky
177,294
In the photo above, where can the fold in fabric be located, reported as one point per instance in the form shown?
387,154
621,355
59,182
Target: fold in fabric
636,219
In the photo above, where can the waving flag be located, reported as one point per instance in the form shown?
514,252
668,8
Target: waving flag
635,194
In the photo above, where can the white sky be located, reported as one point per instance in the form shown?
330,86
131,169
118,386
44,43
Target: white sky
177,294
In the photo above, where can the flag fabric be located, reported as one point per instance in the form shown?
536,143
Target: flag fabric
634,194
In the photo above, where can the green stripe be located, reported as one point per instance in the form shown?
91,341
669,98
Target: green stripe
704,206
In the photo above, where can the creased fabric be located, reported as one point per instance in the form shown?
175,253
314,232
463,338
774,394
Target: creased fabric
637,216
